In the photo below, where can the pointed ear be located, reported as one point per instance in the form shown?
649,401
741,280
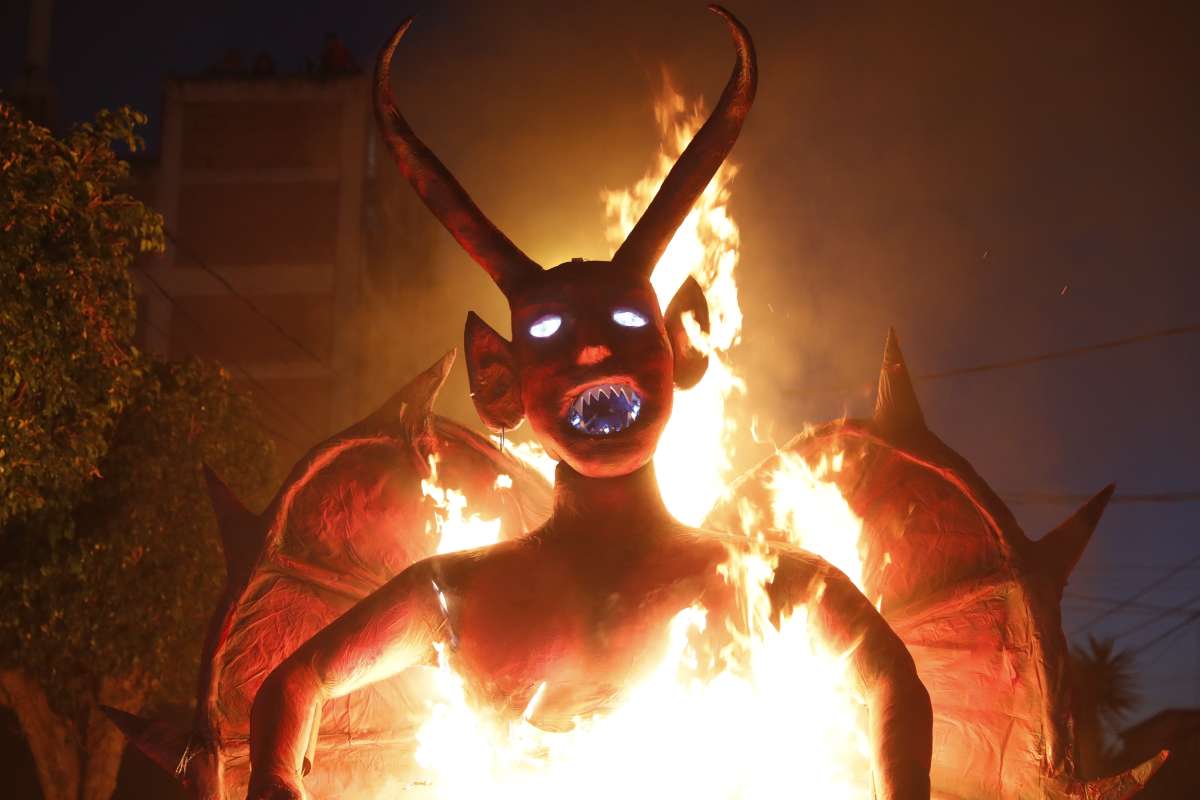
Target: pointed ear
495,387
690,363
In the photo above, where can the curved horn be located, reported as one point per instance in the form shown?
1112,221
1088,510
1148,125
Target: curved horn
438,189
694,169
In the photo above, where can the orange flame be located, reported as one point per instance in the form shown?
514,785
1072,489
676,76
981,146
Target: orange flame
693,460
455,529
529,452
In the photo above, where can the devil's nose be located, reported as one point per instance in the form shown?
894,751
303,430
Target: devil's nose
592,354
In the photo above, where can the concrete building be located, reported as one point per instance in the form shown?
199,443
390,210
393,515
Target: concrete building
261,183
32,91
282,234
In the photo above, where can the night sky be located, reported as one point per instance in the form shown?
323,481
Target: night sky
994,182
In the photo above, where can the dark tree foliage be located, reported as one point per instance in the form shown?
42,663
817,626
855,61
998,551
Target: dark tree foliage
109,557
68,236
136,565
1104,685
1105,679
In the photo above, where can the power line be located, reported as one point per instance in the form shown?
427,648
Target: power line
304,425
258,418
1192,616
1175,679
1185,606
1173,629
1024,361
1072,597
1031,498
1072,352
1138,594
1167,636
279,404
229,287
1104,569
1018,498
1061,498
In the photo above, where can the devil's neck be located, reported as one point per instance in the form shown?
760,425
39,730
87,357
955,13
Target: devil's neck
580,501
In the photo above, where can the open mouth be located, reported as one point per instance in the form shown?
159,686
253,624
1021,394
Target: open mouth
605,409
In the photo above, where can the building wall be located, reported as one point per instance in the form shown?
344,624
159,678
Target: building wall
262,183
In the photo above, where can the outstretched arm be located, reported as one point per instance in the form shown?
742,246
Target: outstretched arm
901,717
388,631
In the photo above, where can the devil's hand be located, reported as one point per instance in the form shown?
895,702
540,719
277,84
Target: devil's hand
901,718
274,787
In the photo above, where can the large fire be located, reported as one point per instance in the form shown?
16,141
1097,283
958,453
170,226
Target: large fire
769,711
693,460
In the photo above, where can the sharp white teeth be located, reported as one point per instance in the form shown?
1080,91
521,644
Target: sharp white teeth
604,423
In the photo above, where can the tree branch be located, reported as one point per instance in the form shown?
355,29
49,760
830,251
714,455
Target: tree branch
51,738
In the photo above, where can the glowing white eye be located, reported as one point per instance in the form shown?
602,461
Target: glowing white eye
545,327
628,318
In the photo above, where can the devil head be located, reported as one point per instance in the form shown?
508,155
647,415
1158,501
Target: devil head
593,363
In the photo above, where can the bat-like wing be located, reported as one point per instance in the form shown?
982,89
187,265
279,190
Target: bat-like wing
349,516
974,599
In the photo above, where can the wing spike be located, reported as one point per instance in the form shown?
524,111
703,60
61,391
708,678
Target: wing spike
163,743
896,406
409,412
1123,785
411,406
1059,550
242,534
421,392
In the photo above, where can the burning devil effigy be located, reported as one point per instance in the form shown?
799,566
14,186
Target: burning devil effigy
423,611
